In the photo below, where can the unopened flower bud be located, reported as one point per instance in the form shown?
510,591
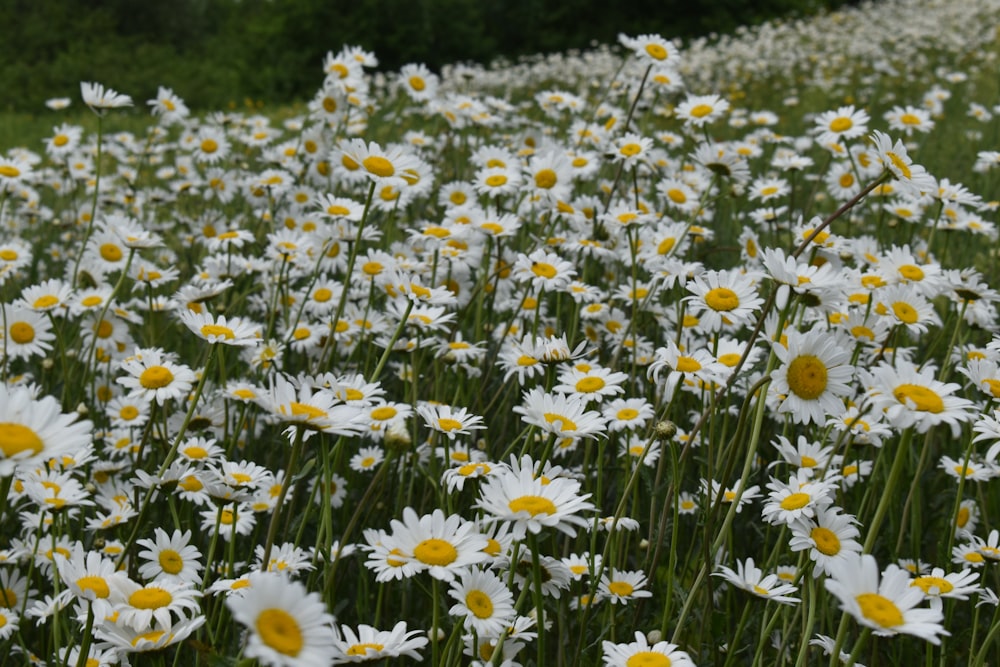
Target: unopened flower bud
664,430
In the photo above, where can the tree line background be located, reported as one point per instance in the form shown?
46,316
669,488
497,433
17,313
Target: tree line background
217,52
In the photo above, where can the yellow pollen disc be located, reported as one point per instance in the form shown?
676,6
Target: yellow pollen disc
628,150
301,333
666,245
589,385
677,196
496,180
310,411
22,333
911,272
435,552
379,166
846,180
841,124
627,414
729,359
808,462
60,140
383,413
701,110
546,179
417,83
807,377
533,505
795,501
525,360
921,398
687,365
880,610
656,51
963,517
621,588
209,146
195,452
479,603
448,425
862,331
110,252
827,542
45,301
925,584
17,438
760,590
156,377
647,659
191,483
8,255
128,413
245,394
322,295
492,547
218,330
362,649
97,585
543,270
171,561
9,171
963,471
900,164
565,424
769,190
372,268
152,636
150,598
909,119
722,299
280,631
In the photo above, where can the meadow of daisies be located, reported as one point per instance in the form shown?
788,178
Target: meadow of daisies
654,354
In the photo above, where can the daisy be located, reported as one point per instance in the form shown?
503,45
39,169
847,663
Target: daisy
450,421
34,430
28,333
723,298
288,625
369,644
627,414
974,471
844,123
913,178
418,82
750,578
700,110
153,377
653,49
549,175
367,459
909,119
532,503
441,545
316,409
799,499
211,145
560,414
233,331
829,536
937,585
485,602
100,99
158,601
622,586
384,167
239,521
887,604
910,396
641,652
814,375
124,640
91,576
543,270
591,382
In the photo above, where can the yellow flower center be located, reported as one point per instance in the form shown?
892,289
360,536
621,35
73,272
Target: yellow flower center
919,397
218,330
379,166
911,272
152,597
722,299
621,588
533,505
701,110
435,551
565,423
156,377
841,124
880,610
110,252
666,245
630,149
827,542
795,501
627,414
383,413
171,561
17,438
546,179
900,164
310,411
543,270
209,146
97,585
195,452
22,333
280,631
496,180
656,52
807,377
647,659
589,385
925,584
729,359
9,171
417,83
362,649
447,425
479,603
846,180
45,301
687,365
909,119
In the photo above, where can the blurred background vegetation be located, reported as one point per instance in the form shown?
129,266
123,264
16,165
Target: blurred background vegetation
219,53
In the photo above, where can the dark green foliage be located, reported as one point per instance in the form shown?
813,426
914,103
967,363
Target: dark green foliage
217,52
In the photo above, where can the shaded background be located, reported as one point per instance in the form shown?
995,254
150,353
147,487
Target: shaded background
218,53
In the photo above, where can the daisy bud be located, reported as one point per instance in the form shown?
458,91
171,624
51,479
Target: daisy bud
397,437
440,634
82,409
664,430
644,544
654,636
47,364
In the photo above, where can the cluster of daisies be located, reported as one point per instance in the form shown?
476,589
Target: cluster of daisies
447,368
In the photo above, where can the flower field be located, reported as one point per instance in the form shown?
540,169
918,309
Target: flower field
653,354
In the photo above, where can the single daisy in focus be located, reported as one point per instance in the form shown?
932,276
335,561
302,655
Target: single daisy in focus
844,123
913,178
750,578
641,652
814,375
34,430
100,99
369,644
449,421
700,110
623,587
723,298
560,414
441,545
288,625
170,557
484,600
956,585
886,604
384,166
152,377
233,331
911,396
829,536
